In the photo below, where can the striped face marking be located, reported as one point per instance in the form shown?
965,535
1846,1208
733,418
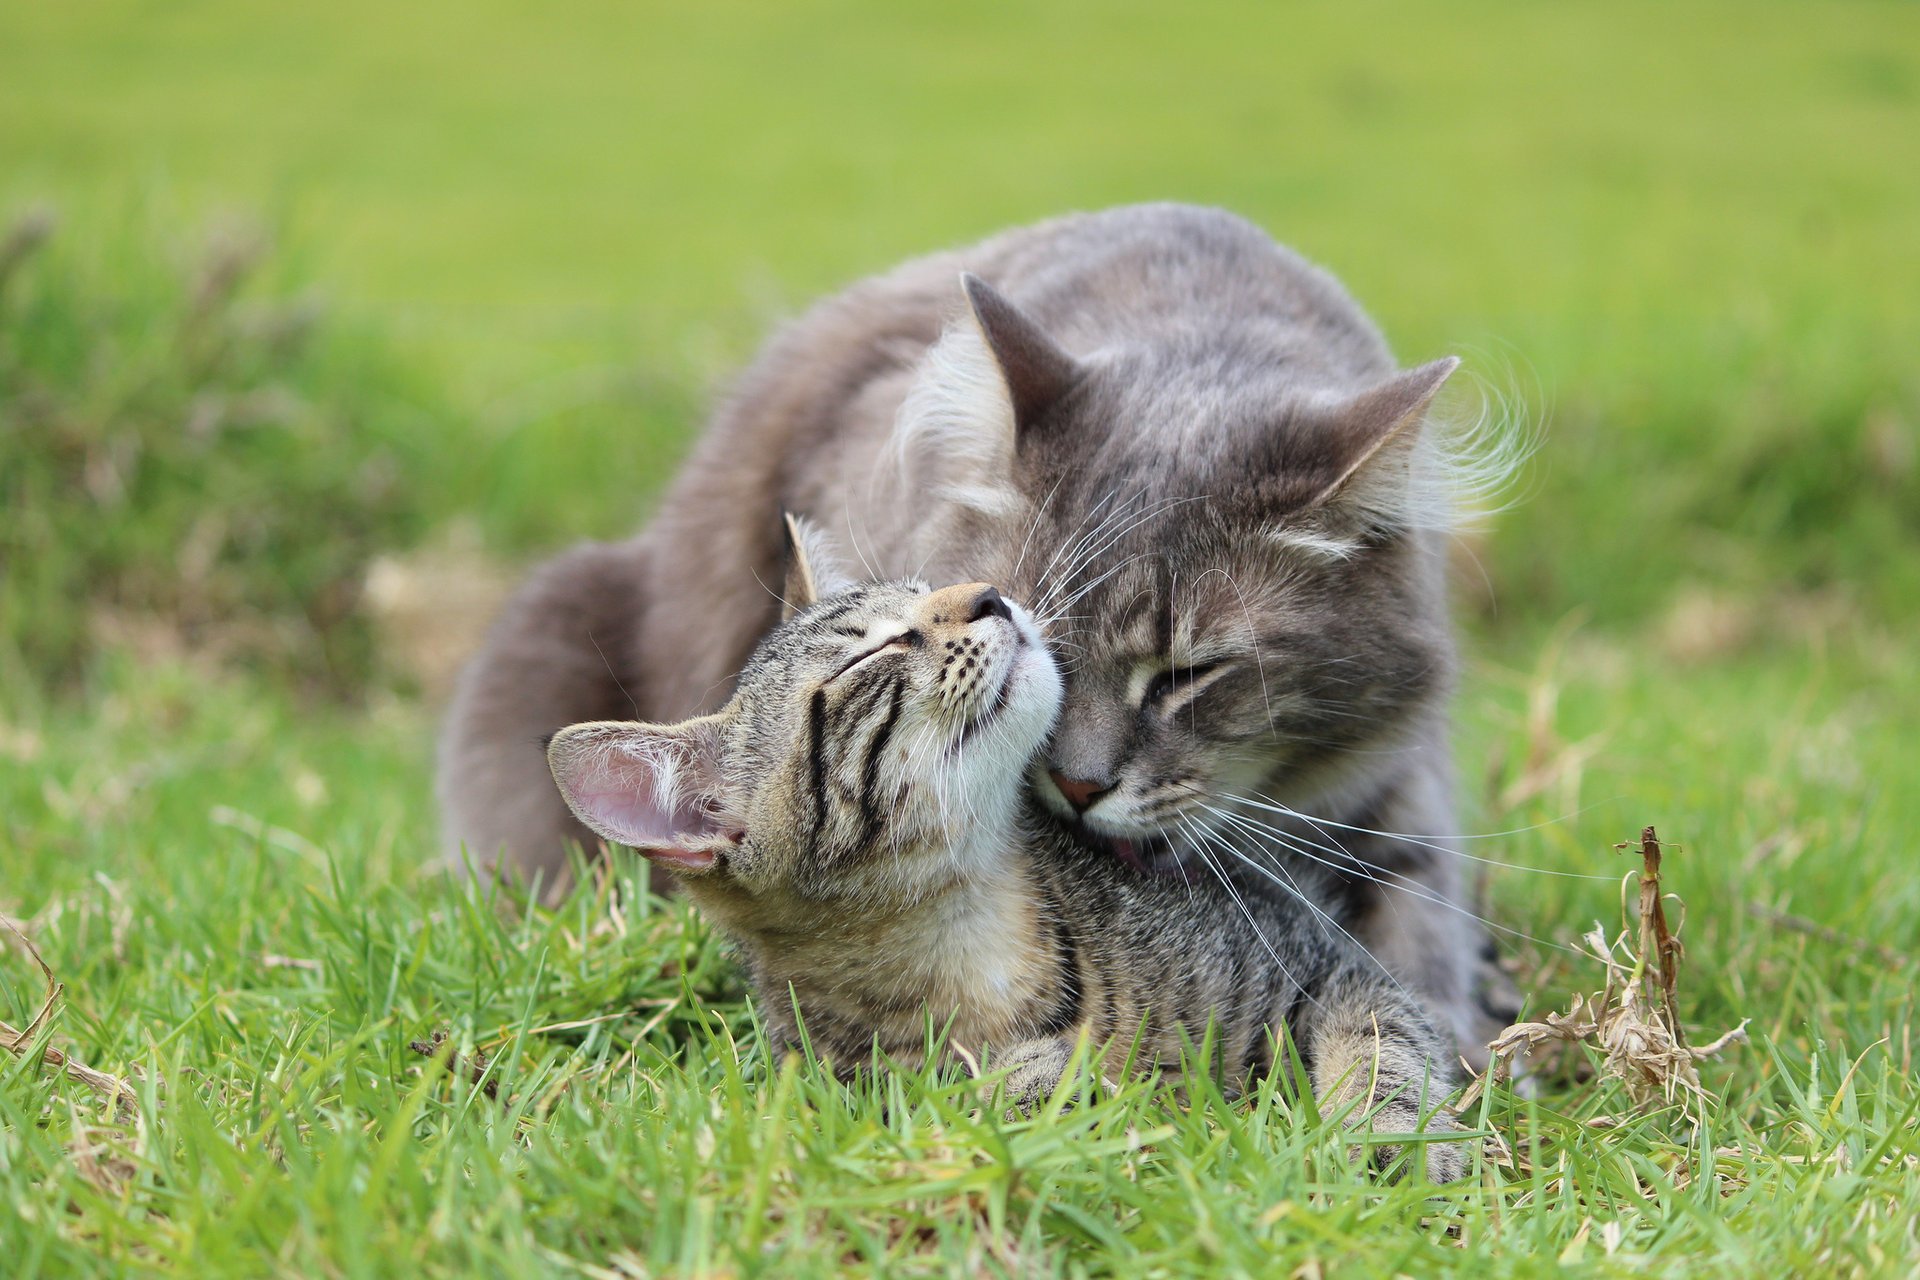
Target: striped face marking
926,710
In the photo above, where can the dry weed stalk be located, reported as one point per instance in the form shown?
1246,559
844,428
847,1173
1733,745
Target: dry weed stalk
1634,1021
474,1068
18,1041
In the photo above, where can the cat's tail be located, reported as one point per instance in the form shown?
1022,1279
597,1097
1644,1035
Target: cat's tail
560,652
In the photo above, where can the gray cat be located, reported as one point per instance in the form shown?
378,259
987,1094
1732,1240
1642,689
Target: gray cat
854,819
1193,453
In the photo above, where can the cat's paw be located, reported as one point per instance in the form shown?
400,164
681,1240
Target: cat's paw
1034,1069
1446,1160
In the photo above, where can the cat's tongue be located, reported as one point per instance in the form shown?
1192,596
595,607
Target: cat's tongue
1129,852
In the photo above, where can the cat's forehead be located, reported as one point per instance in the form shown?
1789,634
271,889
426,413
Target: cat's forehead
1177,594
806,647
853,612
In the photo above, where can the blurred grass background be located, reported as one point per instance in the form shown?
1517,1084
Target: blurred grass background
1681,234
336,302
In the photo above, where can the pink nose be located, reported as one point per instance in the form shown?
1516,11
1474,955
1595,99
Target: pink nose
1079,793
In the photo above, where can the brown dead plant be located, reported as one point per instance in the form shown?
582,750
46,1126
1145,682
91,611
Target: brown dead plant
474,1068
1633,1022
20,1040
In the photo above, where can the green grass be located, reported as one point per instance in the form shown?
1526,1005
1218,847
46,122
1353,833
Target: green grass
240,917
193,449
533,238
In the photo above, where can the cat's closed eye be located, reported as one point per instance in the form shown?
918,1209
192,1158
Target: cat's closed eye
908,639
1164,685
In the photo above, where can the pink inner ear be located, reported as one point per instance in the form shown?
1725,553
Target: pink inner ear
685,859
641,800
656,832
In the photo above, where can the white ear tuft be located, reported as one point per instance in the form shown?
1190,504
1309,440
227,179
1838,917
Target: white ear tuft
813,571
954,436
1410,468
654,787
1315,544
1379,430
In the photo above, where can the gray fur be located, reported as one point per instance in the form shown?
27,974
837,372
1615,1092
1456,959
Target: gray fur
1152,421
853,818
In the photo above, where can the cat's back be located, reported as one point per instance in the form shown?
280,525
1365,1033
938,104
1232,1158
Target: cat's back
823,392
1195,937
1137,273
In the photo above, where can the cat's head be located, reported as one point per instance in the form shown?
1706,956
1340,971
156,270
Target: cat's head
1237,555
876,741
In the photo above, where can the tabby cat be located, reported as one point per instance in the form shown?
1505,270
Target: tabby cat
1194,455
854,819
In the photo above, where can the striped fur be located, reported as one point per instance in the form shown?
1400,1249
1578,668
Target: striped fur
865,838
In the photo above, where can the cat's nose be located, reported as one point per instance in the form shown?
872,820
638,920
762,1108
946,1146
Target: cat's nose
988,604
1079,792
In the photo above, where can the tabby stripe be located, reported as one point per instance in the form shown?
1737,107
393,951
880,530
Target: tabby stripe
833,611
837,748
870,771
1067,1010
857,708
816,733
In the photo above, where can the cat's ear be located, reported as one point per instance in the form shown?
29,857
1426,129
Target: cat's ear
813,571
1376,434
654,787
1035,371
993,373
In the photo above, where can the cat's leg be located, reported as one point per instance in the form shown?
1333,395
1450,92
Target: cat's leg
1366,1045
1441,953
1430,948
560,652
1410,903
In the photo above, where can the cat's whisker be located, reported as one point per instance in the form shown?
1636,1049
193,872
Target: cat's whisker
1073,550
1268,803
1339,859
1092,552
855,514
1099,540
1342,860
920,570
1070,543
1253,631
1227,884
1033,526
1281,877
1113,539
1386,879
1201,834
1089,586
1080,592
853,539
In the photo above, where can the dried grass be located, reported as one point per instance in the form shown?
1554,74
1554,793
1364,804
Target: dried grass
20,1041
1634,1021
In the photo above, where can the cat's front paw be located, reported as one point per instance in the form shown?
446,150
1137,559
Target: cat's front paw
1032,1071
1446,1160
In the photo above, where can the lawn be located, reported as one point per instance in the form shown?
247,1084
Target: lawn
505,256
